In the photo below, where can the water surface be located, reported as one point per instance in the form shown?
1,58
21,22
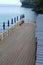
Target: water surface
10,11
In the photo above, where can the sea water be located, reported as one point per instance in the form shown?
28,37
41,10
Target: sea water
7,12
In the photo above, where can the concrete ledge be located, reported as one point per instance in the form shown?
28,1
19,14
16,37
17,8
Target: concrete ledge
1,36
5,34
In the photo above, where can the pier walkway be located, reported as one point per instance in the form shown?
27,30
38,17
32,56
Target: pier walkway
19,47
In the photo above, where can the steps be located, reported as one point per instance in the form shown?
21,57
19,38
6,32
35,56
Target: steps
39,34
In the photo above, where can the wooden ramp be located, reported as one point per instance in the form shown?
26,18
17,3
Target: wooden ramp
19,47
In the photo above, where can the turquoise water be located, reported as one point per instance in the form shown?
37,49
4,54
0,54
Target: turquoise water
7,12
5,18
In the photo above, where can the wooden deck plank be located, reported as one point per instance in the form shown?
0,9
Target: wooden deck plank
19,48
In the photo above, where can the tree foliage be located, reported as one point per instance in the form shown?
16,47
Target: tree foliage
38,7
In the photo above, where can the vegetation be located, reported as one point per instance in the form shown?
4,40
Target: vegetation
37,5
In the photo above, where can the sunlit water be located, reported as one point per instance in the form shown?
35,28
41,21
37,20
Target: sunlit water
10,11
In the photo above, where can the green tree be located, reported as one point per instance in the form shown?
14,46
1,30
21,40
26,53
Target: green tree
38,7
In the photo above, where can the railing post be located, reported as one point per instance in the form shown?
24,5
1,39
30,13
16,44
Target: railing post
4,25
17,18
8,23
20,17
12,21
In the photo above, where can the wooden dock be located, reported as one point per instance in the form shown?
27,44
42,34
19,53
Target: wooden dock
19,48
